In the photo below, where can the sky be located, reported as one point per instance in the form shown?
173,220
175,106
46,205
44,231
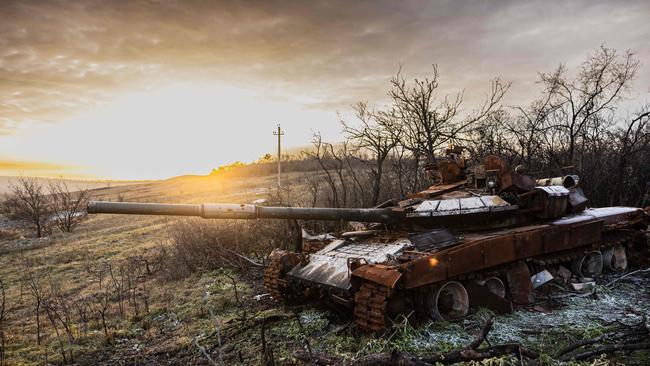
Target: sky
153,89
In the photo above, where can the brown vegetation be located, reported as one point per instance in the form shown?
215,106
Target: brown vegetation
200,245
58,206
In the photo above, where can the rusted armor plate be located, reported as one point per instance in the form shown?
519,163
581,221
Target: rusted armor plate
498,248
521,288
377,273
481,297
438,190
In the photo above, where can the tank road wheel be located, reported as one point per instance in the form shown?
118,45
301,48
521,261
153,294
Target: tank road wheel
275,279
495,285
615,258
589,265
370,304
448,302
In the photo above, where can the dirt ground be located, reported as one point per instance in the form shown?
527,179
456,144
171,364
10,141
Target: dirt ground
224,317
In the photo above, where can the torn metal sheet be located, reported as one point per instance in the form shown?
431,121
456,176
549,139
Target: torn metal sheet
307,236
541,278
329,266
554,190
435,239
609,215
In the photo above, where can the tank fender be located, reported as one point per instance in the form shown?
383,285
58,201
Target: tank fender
381,274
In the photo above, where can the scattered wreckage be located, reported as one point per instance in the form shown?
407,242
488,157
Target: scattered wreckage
483,236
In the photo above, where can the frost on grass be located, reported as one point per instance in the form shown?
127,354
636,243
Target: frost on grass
441,336
577,316
313,320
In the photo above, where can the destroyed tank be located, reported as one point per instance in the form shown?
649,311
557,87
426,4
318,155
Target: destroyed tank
482,236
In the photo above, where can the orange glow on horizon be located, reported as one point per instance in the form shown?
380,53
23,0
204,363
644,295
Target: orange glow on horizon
184,128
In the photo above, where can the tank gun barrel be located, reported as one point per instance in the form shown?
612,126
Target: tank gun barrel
244,211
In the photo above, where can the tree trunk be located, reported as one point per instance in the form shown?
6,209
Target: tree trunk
376,187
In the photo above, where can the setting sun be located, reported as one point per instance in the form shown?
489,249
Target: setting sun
182,128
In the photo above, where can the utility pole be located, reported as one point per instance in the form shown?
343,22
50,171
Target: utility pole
279,133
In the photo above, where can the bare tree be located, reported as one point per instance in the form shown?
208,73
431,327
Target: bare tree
332,161
528,129
119,283
5,309
313,185
38,295
83,308
58,309
50,311
630,140
491,137
427,122
101,299
28,201
375,138
577,103
69,207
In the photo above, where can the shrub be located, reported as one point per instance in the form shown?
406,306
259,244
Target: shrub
203,245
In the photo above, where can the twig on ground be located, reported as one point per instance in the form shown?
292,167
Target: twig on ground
627,275
246,259
581,343
243,324
267,352
471,352
611,348
205,353
487,327
622,337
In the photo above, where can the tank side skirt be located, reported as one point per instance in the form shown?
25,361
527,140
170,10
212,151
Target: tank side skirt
499,250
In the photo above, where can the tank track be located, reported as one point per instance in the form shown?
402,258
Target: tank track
273,281
370,304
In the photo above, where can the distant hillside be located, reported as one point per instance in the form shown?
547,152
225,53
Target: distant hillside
5,183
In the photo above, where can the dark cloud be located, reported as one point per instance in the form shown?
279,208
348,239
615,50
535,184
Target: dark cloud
59,57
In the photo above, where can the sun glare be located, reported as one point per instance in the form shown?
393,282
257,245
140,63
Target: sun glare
178,129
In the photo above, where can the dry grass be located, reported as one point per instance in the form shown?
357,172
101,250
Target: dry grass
199,245
68,268
175,304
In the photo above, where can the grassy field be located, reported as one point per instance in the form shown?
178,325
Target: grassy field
176,310
222,316
7,181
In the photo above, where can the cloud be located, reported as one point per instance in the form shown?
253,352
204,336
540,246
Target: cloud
59,58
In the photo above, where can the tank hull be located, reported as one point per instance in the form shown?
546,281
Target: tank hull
391,270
